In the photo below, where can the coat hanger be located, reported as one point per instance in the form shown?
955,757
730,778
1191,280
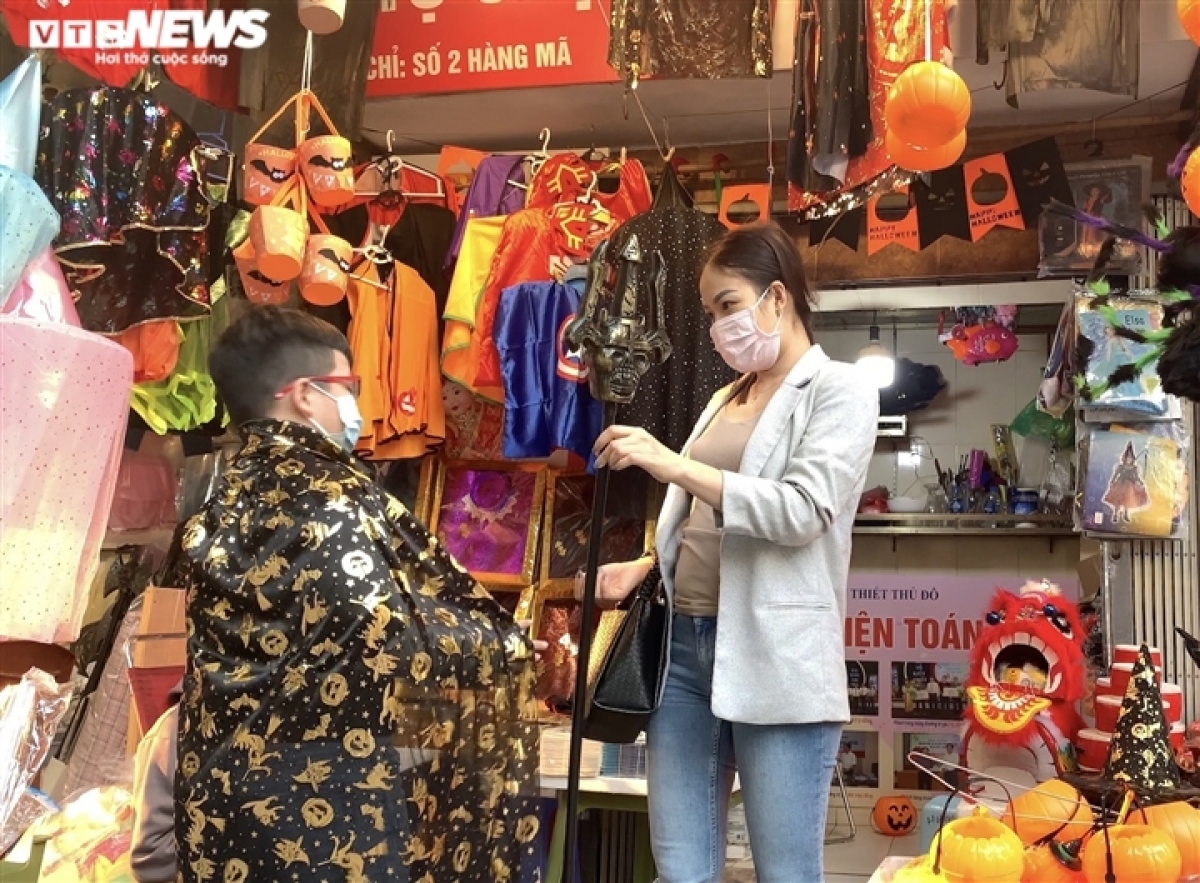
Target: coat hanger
592,154
537,160
384,172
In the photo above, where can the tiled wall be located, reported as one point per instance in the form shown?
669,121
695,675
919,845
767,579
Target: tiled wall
957,421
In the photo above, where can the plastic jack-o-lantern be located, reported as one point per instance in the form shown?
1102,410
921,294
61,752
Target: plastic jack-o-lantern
919,870
1139,854
1189,17
978,849
915,159
1051,811
1051,863
894,816
1182,822
928,105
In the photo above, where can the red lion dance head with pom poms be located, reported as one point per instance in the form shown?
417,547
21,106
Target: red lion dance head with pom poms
1027,676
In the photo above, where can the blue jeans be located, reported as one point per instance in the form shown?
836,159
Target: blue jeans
692,758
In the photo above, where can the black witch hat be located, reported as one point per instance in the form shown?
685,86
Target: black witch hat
1140,754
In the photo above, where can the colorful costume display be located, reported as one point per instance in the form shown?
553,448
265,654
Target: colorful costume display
1026,676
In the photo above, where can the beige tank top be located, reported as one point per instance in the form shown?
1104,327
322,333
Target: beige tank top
698,571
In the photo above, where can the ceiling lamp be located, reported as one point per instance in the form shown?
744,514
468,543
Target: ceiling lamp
877,360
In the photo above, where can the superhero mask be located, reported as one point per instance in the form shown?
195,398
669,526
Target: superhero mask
1027,663
619,344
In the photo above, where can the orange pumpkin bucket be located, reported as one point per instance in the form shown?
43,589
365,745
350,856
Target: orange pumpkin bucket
928,105
257,287
278,232
267,170
326,269
326,160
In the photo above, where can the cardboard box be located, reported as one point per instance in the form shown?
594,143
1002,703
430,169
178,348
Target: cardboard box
161,640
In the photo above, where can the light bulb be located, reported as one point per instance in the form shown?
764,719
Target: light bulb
877,361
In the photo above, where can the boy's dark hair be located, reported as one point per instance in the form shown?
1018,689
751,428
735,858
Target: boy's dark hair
264,351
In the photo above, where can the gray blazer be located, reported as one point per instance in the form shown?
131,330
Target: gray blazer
787,516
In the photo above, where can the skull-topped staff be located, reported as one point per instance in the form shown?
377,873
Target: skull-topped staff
619,344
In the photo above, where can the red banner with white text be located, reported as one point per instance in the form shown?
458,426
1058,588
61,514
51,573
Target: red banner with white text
427,47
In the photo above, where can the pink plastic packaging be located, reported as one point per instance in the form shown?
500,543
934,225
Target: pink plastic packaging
42,293
65,400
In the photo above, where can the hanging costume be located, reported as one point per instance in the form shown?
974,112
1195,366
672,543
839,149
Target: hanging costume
546,399
1063,45
28,224
685,39
497,188
356,707
128,178
831,85
895,39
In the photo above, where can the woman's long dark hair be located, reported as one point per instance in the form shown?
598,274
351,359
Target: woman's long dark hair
761,254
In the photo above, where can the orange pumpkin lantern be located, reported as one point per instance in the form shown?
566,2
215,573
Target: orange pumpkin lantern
1189,181
1189,17
894,816
1052,810
1048,864
977,849
915,159
1182,823
928,105
1140,854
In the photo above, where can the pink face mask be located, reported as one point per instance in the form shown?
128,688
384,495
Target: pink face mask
744,346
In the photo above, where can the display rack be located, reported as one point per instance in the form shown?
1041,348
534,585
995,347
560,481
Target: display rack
1049,527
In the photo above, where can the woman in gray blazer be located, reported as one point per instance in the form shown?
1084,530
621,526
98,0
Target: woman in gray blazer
754,543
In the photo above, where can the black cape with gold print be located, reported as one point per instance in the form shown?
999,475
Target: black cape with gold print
356,707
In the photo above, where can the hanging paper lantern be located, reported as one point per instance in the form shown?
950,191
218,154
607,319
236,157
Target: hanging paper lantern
1140,854
1053,810
1182,823
1189,17
977,849
894,816
916,159
928,105
1048,863
1189,181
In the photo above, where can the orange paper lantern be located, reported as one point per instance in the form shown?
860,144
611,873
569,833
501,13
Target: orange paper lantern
1189,182
916,159
1182,822
1140,854
1189,17
928,106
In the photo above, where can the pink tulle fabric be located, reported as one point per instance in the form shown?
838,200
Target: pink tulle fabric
64,400
42,293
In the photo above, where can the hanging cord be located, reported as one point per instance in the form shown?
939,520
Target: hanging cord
929,30
770,144
649,126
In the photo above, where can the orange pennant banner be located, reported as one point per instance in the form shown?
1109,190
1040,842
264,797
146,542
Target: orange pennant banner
892,219
991,198
745,204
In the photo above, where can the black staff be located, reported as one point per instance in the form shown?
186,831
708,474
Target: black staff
618,345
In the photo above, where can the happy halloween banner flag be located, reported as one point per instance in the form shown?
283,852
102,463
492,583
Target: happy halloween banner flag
964,201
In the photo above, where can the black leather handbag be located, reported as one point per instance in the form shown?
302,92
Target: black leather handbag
628,663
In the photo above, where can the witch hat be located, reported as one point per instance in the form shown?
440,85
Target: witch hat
1140,753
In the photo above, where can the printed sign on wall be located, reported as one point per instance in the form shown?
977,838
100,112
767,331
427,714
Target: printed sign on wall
427,47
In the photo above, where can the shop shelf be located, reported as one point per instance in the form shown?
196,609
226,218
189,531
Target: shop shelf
1047,527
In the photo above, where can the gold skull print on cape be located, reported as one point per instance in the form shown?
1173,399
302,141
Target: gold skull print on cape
356,707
